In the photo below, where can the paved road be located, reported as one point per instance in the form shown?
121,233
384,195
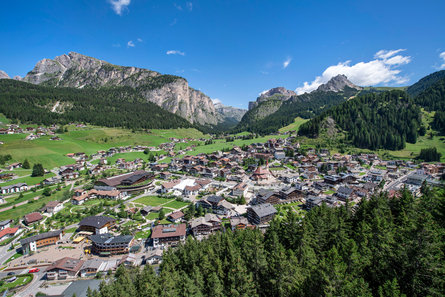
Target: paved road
395,183
34,286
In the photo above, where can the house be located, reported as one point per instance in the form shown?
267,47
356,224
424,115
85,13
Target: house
53,207
97,224
14,166
416,179
64,268
176,216
240,189
238,223
16,188
205,225
8,233
168,235
31,244
344,193
69,174
261,174
33,218
107,244
5,224
261,213
279,154
154,257
129,260
332,179
312,201
146,210
91,267
268,197
52,180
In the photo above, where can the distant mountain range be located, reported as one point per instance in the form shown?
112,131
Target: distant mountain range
170,92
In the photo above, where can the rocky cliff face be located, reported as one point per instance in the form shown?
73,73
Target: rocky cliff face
337,84
278,93
3,74
170,92
230,111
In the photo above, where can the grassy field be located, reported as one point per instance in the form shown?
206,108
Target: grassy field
88,140
152,200
175,204
294,126
30,180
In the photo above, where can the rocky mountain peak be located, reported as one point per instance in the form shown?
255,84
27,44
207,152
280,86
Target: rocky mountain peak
279,90
337,84
3,74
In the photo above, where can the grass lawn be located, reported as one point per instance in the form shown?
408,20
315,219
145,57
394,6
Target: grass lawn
330,192
142,234
29,180
20,281
276,168
176,204
152,216
13,257
294,126
153,200
21,172
71,230
20,211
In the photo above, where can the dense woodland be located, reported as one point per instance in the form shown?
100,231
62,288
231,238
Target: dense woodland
109,106
373,121
386,247
306,106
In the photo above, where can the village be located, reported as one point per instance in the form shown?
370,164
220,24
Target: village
131,212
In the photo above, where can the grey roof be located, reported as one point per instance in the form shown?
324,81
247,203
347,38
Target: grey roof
18,185
420,177
264,209
345,190
3,223
214,199
110,239
40,236
92,264
96,221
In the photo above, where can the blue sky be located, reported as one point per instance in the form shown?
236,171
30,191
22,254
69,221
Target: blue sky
233,50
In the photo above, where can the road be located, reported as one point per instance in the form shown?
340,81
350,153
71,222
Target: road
395,183
34,286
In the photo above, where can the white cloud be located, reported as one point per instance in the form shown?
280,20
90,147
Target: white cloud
442,56
189,6
178,7
119,5
130,44
175,52
216,101
286,63
383,69
139,40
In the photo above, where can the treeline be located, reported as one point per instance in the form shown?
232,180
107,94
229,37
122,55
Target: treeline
108,106
374,121
305,106
387,247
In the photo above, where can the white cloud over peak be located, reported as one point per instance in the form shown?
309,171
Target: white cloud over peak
130,44
216,101
175,52
119,5
383,69
442,56
287,62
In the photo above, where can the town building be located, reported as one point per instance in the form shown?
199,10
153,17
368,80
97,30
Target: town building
261,213
168,235
32,218
64,268
31,244
97,224
108,244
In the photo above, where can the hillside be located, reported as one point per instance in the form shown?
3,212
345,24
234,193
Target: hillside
109,107
279,107
373,121
170,92
425,83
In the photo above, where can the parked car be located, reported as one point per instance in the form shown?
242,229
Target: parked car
11,273
12,279
34,270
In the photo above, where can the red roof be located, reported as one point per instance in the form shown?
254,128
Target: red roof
176,215
33,217
7,231
162,231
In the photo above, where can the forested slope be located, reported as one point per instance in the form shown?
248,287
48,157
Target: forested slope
387,247
107,106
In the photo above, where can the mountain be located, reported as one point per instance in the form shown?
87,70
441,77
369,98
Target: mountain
426,82
110,107
229,111
338,84
170,92
279,107
3,74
